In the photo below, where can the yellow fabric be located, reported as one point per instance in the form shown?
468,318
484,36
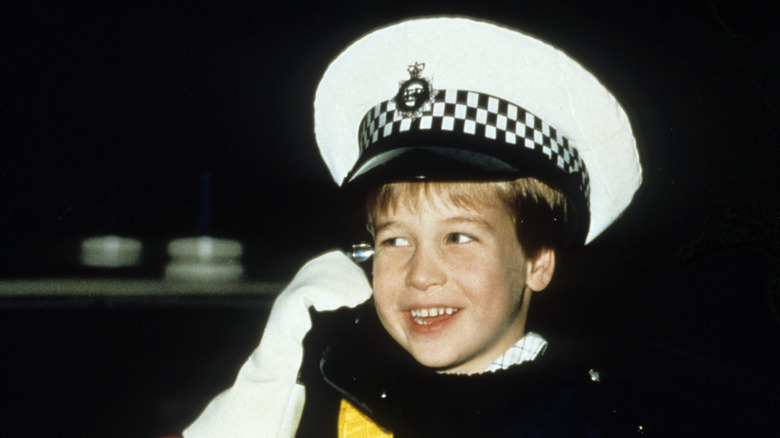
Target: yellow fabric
355,424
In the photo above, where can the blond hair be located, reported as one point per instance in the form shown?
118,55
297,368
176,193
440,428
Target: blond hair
540,212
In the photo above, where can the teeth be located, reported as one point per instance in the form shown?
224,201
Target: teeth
418,314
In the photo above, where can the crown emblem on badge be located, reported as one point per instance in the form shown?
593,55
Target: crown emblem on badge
414,92
416,69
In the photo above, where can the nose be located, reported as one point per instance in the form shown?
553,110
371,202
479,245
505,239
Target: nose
425,270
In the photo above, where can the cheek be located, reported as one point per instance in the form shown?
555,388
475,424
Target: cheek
467,258
486,268
385,301
499,285
384,282
388,265
382,273
513,266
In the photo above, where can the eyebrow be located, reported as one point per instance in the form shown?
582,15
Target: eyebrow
455,220
470,220
382,225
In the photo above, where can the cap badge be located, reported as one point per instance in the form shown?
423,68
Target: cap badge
415,92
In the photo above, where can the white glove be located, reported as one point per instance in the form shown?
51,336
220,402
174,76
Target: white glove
266,401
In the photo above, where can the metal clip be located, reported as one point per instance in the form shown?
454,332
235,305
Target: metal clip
361,252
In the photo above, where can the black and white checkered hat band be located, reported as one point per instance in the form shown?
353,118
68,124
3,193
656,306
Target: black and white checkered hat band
477,114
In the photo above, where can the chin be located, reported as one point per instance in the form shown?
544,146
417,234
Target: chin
436,362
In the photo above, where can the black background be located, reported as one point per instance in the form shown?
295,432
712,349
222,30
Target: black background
112,111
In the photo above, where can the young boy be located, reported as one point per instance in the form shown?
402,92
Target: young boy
452,276
480,151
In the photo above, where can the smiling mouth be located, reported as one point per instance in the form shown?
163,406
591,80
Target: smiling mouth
429,316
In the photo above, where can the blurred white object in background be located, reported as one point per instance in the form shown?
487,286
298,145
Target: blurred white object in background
110,252
204,258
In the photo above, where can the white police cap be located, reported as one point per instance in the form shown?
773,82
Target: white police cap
416,97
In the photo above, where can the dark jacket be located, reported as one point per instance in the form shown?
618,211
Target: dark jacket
348,354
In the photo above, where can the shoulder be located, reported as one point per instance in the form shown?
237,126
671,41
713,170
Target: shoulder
338,340
328,325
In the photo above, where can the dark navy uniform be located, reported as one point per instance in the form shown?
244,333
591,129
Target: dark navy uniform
348,355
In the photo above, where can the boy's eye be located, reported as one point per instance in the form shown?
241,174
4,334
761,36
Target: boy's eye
459,238
395,241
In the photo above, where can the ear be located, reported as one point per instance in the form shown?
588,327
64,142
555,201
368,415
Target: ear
540,270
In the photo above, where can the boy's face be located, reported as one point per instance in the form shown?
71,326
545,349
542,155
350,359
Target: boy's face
449,281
